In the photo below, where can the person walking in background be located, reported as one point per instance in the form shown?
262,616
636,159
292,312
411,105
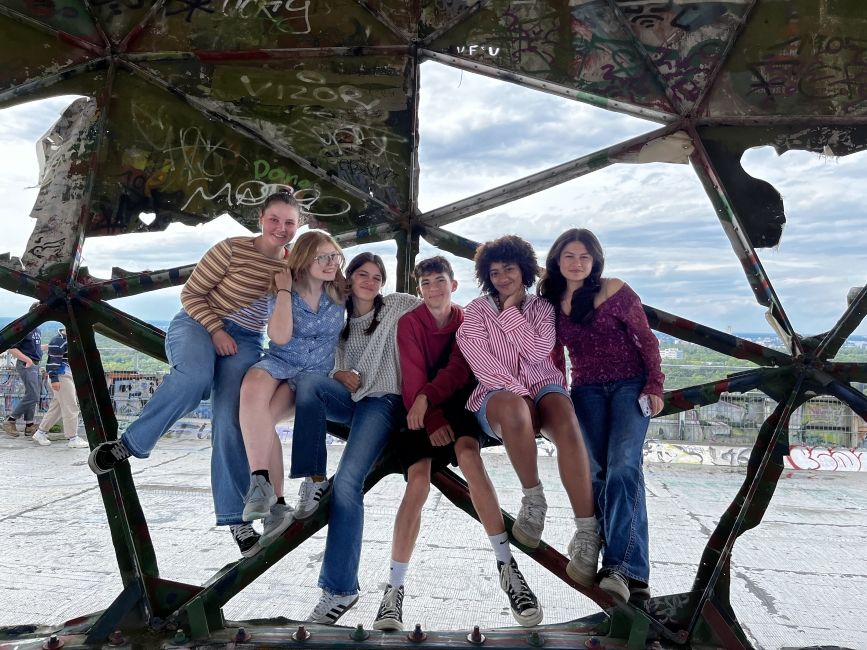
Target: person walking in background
27,352
616,388
210,344
64,403
507,338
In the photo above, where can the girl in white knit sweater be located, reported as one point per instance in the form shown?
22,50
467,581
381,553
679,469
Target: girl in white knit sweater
363,392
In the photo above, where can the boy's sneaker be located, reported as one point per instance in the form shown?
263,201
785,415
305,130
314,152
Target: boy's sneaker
522,601
30,429
309,495
10,429
530,521
259,499
615,585
41,438
583,553
76,442
390,614
278,520
246,538
107,455
331,607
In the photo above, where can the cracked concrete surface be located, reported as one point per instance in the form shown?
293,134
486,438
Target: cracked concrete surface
798,580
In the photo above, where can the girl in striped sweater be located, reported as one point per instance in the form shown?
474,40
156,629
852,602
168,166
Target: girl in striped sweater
507,337
210,344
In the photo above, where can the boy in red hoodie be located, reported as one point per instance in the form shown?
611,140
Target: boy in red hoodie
436,383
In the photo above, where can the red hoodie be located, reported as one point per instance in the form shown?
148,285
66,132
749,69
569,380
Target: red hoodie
430,361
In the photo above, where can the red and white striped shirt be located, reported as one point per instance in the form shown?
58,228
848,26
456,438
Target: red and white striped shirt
509,350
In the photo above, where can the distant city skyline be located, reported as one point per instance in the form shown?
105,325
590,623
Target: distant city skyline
657,225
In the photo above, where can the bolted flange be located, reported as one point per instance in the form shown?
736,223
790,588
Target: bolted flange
476,637
53,643
417,635
359,633
301,634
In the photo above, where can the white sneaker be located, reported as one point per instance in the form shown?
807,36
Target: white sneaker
309,495
76,442
331,607
277,521
583,553
41,438
530,521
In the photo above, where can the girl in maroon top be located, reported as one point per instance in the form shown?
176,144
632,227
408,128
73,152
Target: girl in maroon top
616,387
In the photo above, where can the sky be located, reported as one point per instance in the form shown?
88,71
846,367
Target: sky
658,227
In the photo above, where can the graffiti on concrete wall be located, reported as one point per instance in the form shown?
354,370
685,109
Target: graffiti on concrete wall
656,451
835,459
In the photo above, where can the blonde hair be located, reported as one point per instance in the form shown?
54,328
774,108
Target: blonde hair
301,257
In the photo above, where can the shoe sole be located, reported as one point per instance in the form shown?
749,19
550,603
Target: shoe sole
267,540
522,538
346,608
583,579
388,625
91,463
250,552
528,620
259,512
619,593
41,443
12,435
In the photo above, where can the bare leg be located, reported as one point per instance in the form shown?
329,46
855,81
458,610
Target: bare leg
257,427
482,492
561,427
408,520
511,416
282,406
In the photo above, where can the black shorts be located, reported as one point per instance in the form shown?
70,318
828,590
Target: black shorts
413,445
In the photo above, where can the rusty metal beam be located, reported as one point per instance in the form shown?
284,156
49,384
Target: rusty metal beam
543,180
552,88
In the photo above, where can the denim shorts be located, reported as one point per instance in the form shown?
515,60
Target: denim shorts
481,414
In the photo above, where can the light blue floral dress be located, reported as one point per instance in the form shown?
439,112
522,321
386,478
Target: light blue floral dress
314,340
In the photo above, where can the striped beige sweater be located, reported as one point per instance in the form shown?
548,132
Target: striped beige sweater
230,276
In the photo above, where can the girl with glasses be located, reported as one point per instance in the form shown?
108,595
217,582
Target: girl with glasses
307,313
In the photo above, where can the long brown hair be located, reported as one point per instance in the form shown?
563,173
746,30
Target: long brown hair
553,284
356,263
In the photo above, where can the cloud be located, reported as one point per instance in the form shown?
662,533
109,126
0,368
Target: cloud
659,228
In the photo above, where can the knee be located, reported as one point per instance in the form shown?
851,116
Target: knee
417,490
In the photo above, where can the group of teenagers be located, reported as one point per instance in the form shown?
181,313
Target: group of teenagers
436,381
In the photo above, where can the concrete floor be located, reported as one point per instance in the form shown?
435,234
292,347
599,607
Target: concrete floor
800,579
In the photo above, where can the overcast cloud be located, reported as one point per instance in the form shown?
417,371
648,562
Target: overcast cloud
656,223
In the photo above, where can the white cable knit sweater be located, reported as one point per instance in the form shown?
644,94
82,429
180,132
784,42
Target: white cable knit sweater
375,356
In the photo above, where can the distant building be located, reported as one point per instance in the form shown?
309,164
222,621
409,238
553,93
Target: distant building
671,353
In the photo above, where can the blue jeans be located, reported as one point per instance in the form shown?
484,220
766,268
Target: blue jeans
614,428
371,422
197,372
26,407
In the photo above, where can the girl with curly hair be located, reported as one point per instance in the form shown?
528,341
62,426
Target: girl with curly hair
507,338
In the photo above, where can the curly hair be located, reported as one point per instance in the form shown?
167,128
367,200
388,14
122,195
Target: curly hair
510,249
553,284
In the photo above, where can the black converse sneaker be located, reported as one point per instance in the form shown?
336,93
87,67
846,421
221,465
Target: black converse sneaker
246,538
522,601
390,614
107,455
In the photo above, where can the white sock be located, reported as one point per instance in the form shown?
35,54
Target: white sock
500,544
533,490
44,433
586,523
397,573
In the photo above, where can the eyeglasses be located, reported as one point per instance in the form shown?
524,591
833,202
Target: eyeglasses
325,260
